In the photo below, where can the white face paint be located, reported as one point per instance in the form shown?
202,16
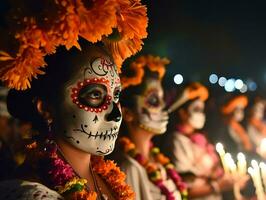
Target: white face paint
197,117
238,114
91,113
150,105
258,111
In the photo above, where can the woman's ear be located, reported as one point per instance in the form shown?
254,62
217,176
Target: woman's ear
43,110
127,114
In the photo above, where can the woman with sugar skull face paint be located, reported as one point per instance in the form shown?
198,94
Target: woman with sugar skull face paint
75,106
191,152
235,135
149,172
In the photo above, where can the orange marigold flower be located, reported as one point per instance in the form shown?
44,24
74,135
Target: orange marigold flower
25,66
33,145
153,63
123,49
127,145
115,176
162,159
132,19
66,29
124,140
97,19
83,195
151,167
67,20
157,64
125,192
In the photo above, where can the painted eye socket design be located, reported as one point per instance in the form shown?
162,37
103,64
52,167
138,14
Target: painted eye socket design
198,109
93,95
153,100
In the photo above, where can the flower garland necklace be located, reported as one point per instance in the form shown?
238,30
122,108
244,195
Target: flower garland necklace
59,175
153,170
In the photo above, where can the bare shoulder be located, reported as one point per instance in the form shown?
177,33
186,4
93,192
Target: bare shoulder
24,190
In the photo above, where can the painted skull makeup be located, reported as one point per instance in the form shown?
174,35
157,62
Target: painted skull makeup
91,113
238,114
197,117
150,105
258,110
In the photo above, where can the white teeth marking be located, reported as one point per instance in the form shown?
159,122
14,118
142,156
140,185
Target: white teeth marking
108,134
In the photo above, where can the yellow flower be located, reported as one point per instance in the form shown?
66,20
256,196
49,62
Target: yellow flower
70,184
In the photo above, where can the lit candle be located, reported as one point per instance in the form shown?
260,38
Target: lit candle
259,192
220,148
221,152
232,165
241,164
263,173
254,171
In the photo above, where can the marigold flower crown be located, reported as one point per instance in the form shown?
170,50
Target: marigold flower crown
153,63
119,24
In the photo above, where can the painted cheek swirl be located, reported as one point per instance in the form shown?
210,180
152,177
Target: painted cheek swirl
80,85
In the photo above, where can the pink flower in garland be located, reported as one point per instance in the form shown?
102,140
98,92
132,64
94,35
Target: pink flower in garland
61,172
169,195
141,159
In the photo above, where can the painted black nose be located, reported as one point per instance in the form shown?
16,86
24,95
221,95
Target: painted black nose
115,114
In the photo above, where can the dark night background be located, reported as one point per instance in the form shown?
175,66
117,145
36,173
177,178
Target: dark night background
201,37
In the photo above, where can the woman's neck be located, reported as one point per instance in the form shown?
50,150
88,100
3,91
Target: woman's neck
142,140
80,162
186,129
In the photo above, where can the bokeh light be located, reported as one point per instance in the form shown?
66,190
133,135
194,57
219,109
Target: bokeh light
222,81
178,79
244,88
213,78
252,86
239,84
230,85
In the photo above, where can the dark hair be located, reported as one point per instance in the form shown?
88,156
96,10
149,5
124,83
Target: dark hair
60,67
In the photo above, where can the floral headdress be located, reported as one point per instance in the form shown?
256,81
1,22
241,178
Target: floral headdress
153,63
193,91
119,24
233,103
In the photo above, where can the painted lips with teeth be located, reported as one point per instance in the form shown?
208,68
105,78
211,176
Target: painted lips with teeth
108,134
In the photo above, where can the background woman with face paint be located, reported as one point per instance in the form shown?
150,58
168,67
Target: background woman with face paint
235,136
75,107
149,172
191,152
256,126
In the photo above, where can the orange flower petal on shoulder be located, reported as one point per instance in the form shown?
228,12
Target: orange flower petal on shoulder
97,18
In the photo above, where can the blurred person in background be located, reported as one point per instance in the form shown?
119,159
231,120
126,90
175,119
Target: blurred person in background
190,150
256,126
234,135
149,172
